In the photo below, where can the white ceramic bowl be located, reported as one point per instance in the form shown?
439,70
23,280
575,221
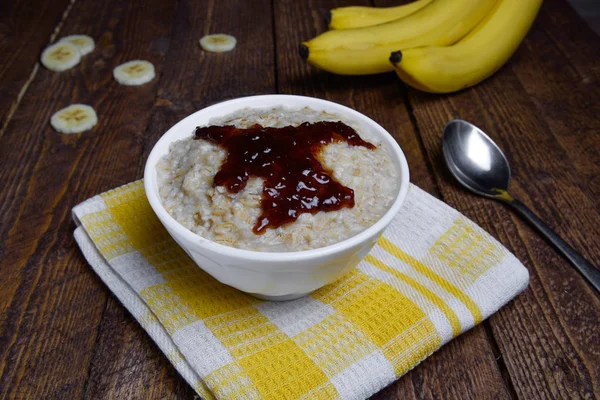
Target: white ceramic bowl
273,276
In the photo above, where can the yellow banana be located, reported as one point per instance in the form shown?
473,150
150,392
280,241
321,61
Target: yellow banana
357,17
476,57
362,51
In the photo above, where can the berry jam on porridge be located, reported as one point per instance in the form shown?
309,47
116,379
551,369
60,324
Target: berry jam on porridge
277,180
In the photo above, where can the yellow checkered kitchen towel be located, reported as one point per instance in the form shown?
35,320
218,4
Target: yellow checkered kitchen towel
433,275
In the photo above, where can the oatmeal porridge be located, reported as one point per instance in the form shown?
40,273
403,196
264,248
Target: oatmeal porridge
359,165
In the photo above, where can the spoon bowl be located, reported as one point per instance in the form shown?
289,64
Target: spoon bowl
474,159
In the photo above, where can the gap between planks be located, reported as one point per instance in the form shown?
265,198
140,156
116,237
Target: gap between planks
415,124
141,164
274,33
34,71
500,360
94,349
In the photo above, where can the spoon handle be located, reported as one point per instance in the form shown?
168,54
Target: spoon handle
588,270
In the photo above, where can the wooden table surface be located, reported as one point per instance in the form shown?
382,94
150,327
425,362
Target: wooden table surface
63,335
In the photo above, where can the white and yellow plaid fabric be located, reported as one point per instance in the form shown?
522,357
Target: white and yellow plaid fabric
433,275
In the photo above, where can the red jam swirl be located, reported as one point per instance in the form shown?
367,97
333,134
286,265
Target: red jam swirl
295,182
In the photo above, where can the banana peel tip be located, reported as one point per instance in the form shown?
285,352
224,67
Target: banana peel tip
303,51
328,18
396,57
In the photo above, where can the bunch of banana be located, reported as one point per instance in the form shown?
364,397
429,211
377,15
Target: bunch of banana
474,58
366,50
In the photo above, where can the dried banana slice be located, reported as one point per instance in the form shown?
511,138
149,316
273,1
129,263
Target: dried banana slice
75,118
134,73
61,56
84,43
218,43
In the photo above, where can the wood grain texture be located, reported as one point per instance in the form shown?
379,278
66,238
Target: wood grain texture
191,79
52,303
25,29
62,335
560,70
466,368
549,336
126,364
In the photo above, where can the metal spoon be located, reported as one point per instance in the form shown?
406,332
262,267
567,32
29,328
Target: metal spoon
479,165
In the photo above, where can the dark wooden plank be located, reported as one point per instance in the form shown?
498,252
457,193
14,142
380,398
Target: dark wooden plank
51,302
26,27
577,41
559,68
548,337
128,365
466,368
191,79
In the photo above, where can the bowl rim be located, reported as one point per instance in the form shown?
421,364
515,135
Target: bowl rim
157,152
